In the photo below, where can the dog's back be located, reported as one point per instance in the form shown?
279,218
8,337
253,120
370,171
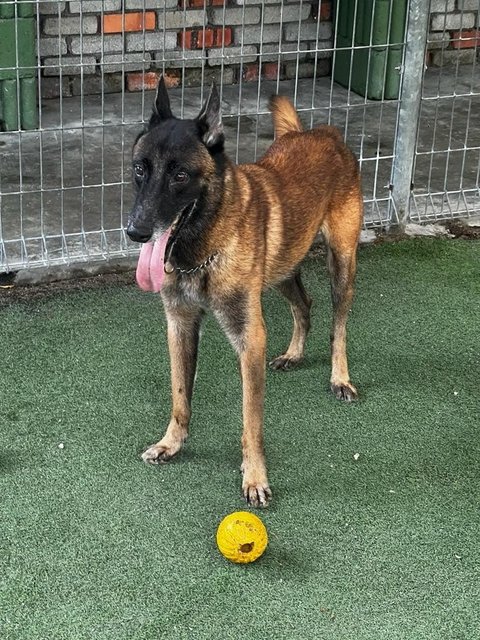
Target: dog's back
314,179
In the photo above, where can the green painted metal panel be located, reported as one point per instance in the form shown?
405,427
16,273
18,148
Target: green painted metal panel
18,67
28,103
17,50
16,9
370,71
9,105
15,114
7,9
26,9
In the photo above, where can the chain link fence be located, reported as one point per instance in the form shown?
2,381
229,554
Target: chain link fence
399,78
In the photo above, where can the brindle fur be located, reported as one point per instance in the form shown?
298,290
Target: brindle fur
260,220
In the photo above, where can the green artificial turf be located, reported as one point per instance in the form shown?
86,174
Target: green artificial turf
95,545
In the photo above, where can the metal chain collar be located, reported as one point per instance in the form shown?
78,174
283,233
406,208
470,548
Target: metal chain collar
204,264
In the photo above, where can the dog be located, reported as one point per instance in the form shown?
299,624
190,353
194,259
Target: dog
215,235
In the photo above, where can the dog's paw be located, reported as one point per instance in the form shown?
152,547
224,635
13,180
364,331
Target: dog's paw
344,391
284,363
257,495
160,453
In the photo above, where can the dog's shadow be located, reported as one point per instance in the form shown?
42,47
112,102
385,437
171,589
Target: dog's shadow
310,362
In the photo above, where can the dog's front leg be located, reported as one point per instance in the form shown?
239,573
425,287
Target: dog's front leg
252,364
183,334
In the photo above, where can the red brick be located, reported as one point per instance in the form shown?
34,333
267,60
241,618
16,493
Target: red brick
467,39
214,37
186,39
250,72
271,70
199,4
148,81
139,81
325,14
138,21
204,38
322,10
223,36
172,78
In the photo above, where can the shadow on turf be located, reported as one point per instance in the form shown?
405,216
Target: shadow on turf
7,463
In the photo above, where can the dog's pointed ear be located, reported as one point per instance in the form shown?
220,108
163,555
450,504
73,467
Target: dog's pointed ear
209,120
161,106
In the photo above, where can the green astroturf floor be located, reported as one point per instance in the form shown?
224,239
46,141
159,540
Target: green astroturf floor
94,544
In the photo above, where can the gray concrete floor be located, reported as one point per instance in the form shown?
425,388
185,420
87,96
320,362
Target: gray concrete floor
65,192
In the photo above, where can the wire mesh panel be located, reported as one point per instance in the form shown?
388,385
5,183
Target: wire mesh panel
62,183
447,163
65,165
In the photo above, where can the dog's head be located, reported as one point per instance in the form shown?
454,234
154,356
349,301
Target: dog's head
176,164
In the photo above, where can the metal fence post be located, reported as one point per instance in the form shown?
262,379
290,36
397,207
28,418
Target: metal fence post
410,99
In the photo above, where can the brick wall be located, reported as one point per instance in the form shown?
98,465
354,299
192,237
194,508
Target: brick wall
118,44
454,36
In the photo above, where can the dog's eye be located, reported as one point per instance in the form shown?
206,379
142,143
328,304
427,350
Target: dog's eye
139,171
181,176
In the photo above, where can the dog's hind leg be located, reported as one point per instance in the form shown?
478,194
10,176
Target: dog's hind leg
183,336
300,304
341,261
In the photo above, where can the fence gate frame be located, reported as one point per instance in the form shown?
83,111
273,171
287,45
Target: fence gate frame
409,110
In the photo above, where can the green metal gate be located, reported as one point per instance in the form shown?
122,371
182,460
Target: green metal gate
369,43
18,66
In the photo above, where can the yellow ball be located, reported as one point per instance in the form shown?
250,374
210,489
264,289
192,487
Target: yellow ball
242,537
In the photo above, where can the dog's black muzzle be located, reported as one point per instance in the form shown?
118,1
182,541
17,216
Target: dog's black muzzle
138,233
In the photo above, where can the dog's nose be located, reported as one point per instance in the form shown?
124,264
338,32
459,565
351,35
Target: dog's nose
138,234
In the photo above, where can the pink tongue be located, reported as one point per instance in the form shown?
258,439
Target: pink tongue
150,271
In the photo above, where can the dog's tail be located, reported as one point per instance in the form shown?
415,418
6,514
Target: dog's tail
285,118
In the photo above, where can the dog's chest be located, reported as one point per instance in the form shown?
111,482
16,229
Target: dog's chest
200,292
188,291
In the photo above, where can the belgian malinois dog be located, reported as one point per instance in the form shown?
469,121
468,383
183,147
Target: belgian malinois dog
215,235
